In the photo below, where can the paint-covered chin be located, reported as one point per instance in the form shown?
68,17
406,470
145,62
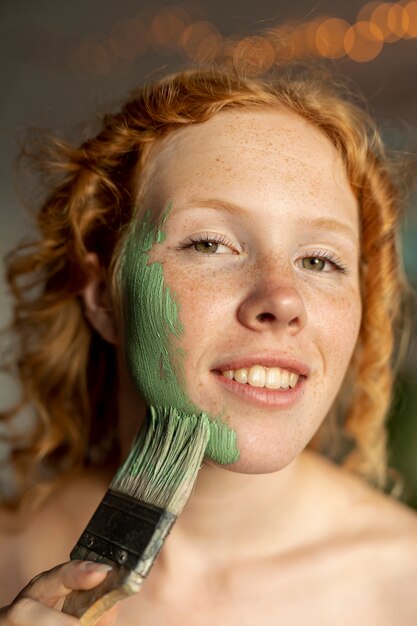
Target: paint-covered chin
152,326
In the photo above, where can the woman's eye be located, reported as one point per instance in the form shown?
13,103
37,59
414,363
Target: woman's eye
314,263
209,244
208,247
323,262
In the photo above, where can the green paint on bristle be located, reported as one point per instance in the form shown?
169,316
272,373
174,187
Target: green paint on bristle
165,458
152,324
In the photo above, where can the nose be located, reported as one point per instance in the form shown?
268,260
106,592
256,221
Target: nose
269,309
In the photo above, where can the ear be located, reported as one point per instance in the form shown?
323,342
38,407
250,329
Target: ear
98,306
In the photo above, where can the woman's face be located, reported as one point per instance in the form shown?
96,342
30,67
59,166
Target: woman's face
261,255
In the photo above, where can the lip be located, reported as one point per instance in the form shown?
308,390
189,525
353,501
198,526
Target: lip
261,396
267,360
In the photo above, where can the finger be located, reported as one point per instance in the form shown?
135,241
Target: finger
52,586
29,612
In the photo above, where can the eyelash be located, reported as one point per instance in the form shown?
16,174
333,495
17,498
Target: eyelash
206,238
324,255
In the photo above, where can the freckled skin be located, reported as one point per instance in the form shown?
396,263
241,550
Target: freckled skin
151,323
283,172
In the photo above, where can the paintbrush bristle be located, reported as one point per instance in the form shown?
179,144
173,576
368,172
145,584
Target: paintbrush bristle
163,462
135,516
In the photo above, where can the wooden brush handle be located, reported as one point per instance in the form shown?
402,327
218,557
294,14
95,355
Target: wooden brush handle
89,605
127,534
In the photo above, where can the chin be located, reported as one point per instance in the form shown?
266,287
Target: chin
257,459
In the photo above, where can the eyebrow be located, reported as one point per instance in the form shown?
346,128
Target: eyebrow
325,224
329,224
212,203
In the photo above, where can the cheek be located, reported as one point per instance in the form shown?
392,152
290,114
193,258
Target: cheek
338,324
207,302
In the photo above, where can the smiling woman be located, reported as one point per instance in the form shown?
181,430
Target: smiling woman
225,246
261,291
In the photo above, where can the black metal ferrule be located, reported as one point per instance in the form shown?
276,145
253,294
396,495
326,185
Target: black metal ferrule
126,531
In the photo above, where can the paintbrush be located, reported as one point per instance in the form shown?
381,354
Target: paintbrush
135,516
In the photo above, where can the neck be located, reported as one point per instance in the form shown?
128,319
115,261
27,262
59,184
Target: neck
239,516
233,515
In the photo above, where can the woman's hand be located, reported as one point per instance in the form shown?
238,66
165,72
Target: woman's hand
39,603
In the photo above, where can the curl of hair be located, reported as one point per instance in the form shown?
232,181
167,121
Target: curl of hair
68,372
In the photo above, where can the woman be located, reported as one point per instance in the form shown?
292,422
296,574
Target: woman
280,217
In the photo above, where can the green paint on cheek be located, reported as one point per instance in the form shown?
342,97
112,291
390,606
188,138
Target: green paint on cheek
152,324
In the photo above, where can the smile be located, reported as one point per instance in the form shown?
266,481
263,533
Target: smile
266,380
260,376
281,398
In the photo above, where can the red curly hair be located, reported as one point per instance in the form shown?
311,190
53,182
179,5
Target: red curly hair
68,372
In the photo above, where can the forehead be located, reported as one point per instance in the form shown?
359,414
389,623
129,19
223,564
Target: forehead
243,153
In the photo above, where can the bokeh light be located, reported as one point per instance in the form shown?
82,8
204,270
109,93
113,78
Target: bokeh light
297,46
411,11
201,41
380,18
398,21
288,41
363,41
365,12
93,55
167,28
255,54
310,32
185,30
330,36
128,38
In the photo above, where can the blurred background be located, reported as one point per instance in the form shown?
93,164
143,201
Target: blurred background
60,62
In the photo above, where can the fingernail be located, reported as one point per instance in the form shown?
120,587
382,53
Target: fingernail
91,566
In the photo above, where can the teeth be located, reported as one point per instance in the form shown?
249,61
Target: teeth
256,376
293,379
273,378
259,376
285,379
241,375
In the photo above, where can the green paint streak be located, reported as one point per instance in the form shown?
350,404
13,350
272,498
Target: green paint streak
152,324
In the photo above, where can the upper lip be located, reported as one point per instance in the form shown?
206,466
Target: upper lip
267,360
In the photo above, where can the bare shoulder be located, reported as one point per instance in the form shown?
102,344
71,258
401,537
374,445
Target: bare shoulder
370,510
38,541
390,559
369,546
378,539
347,488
